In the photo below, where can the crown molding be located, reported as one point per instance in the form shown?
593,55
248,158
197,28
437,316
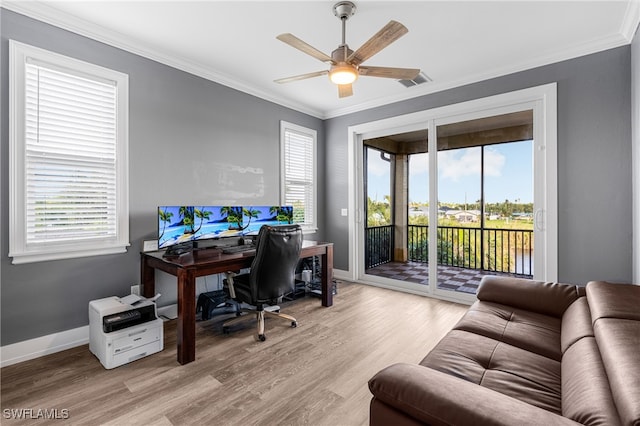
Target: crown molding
631,20
47,14
582,49
52,16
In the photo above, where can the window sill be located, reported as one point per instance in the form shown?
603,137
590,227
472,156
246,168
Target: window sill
26,257
309,230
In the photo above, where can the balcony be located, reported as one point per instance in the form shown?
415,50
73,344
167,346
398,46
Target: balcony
464,254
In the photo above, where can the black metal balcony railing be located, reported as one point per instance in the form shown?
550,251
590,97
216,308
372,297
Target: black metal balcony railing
495,250
378,245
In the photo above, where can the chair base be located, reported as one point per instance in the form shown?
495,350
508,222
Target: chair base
270,311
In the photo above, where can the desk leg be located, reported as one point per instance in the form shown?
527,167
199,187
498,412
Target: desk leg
327,277
186,332
147,278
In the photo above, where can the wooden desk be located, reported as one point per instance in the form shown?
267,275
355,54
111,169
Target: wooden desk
208,262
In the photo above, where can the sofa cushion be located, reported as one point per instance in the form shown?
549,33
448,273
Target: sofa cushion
608,300
576,324
586,395
536,296
527,330
512,371
615,311
619,344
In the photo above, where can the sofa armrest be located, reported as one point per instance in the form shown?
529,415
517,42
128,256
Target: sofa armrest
536,296
436,398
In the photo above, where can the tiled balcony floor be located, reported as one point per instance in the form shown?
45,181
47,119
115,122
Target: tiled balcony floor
449,278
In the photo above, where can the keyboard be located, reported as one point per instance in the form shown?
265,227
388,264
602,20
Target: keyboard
238,249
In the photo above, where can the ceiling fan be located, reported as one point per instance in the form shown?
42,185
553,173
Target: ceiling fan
345,63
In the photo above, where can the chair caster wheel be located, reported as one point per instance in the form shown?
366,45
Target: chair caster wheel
225,330
294,324
262,337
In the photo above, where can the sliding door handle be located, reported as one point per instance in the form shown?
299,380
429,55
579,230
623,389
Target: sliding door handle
538,220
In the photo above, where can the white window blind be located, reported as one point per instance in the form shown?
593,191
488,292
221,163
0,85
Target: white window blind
68,157
299,173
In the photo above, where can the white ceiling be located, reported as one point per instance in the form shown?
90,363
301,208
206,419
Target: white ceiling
453,42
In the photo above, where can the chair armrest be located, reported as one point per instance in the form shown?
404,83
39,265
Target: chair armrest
436,398
536,296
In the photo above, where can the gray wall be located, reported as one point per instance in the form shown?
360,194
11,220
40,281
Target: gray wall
594,160
184,131
635,128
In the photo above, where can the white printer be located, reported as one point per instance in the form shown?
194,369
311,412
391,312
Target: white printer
124,330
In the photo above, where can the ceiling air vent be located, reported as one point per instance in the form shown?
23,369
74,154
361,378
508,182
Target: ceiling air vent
420,79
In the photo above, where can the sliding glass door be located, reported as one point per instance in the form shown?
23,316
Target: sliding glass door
469,188
485,200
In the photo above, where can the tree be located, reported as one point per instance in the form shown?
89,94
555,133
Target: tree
202,215
234,216
186,213
283,214
378,212
251,214
164,217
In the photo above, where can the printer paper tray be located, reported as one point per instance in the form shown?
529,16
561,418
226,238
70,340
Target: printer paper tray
136,337
134,354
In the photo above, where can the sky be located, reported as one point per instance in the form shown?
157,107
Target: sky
508,175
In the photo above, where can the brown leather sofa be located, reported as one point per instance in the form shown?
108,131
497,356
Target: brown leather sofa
526,353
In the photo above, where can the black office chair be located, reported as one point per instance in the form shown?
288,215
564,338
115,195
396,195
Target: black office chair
271,277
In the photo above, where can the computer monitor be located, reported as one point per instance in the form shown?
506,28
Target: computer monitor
257,216
214,222
175,225
184,225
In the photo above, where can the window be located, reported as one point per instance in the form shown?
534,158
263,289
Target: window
298,172
68,157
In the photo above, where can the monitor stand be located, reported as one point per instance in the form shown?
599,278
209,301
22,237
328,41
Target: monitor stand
178,249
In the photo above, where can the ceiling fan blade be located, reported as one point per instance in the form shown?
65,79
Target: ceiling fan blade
302,46
345,90
388,72
387,35
301,77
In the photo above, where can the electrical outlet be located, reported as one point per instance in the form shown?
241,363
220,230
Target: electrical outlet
135,289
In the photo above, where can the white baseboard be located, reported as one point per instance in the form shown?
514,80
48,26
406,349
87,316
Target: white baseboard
45,345
341,275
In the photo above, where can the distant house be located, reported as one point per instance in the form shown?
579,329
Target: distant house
464,216
417,211
523,216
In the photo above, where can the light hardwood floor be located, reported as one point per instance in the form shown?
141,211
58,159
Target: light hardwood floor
315,374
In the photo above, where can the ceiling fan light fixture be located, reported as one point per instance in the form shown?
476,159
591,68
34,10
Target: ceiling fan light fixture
343,74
